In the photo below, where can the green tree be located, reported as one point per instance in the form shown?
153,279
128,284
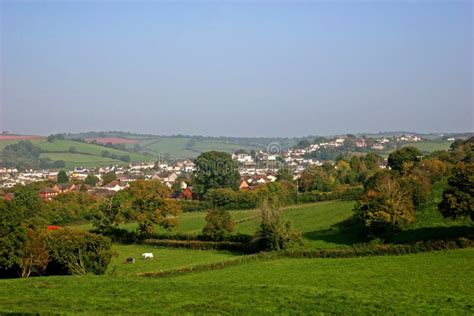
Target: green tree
91,180
108,177
219,225
112,212
458,197
215,170
150,204
284,175
385,204
274,233
29,204
12,238
402,158
62,177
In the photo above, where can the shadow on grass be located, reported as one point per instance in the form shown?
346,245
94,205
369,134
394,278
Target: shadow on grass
344,233
349,233
432,233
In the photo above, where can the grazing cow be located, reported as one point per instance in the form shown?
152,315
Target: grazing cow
147,255
129,260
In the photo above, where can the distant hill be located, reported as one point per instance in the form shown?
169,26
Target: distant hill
81,154
182,146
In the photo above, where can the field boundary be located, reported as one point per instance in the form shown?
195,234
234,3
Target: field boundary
363,250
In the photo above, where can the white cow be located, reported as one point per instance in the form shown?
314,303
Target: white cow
147,255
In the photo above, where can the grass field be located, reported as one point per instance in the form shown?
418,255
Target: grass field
428,146
164,258
62,146
81,160
5,142
186,147
86,155
430,283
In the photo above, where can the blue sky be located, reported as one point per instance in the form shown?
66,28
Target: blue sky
237,68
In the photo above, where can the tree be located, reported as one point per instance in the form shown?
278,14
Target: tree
150,204
219,225
458,197
402,158
91,180
35,254
12,237
112,212
284,175
28,203
316,178
274,232
22,155
461,151
303,144
385,205
109,177
62,177
215,170
73,149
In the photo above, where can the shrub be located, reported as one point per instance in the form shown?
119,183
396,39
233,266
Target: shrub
458,197
77,252
229,199
193,205
274,233
219,225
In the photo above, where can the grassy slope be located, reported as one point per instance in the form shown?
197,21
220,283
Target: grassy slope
438,283
318,223
62,146
428,146
164,258
81,160
87,155
4,143
176,146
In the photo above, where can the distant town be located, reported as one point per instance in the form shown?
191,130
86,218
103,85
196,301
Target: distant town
255,167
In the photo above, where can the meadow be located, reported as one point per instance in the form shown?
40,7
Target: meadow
428,146
187,147
426,283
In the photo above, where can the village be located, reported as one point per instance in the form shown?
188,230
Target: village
255,169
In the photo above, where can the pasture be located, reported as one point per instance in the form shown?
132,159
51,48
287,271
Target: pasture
429,283
63,146
428,146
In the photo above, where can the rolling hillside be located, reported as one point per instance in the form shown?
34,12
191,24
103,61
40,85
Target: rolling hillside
79,154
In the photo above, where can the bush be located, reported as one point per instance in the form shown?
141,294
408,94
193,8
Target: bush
77,252
199,244
219,225
274,232
229,199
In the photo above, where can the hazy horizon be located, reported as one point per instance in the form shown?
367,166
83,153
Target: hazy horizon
261,69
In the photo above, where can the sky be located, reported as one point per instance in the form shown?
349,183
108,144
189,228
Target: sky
242,68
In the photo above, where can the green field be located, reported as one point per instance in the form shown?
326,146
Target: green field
81,160
62,146
426,283
430,283
86,155
4,143
317,222
164,258
428,146
187,147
